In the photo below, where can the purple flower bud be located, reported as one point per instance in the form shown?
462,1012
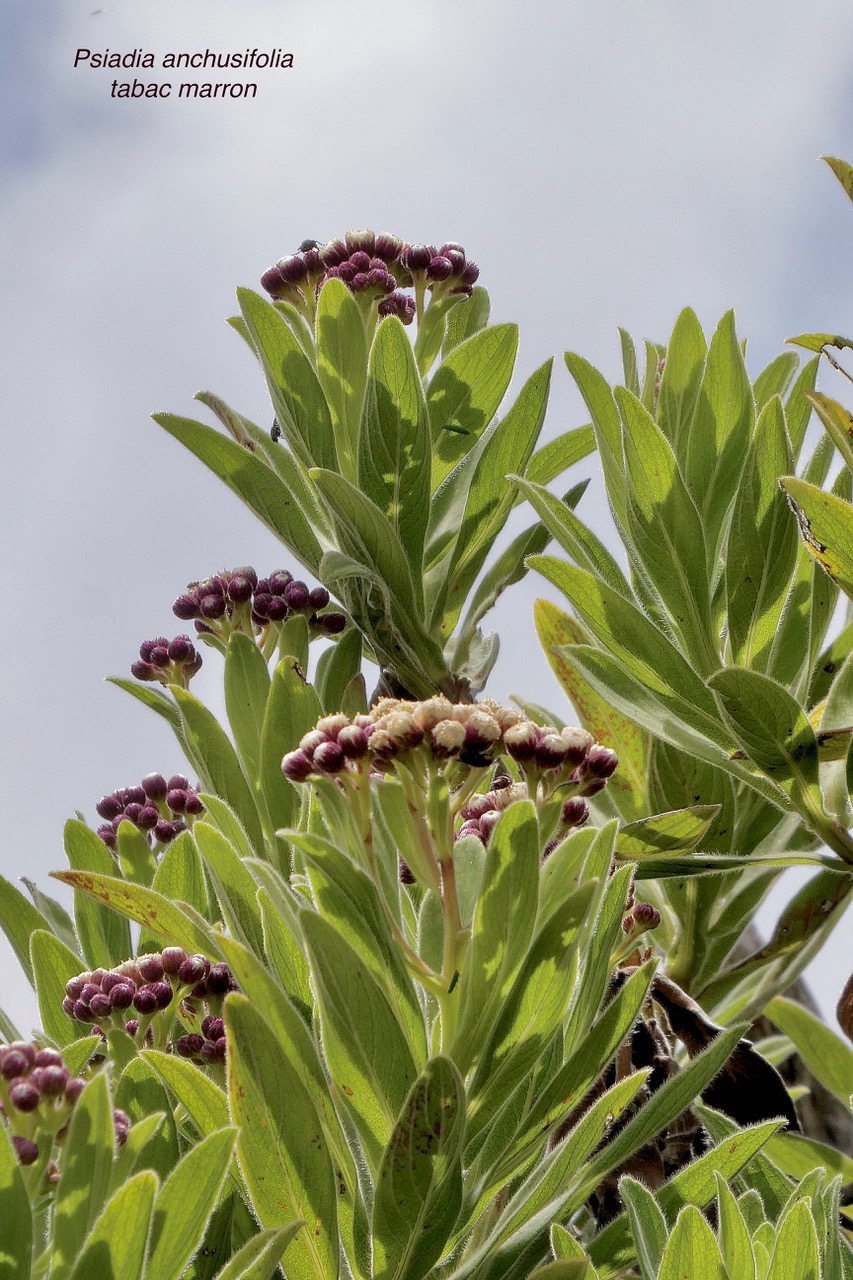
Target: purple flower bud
25,1149
212,1028
131,1026
52,1080
239,589
292,269
159,656
329,758
164,831
68,1006
145,1001
331,624
178,782
550,751
488,822
273,283
143,671
318,598
181,650
333,253
471,827
148,646
470,275
219,980
297,595
176,800
172,958
212,606
647,916
108,835
353,741
520,740
296,766
99,1006
121,997
628,924
416,257
398,304
439,268
23,1095
162,993
89,991
108,807
147,818
12,1063
150,967
82,1012
154,786
575,811
48,1058
194,804
74,986
194,969
600,762
455,256
185,608
278,582
189,1046
121,1122
245,571
74,1088
132,812
208,1052
360,241
277,609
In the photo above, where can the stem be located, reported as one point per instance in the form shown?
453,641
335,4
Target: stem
448,998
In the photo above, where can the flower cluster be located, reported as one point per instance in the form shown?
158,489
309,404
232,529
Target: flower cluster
475,734
205,1046
143,996
374,268
482,811
167,661
642,917
158,807
37,1096
238,600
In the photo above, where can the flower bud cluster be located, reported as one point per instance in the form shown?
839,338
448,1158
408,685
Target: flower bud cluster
167,661
641,918
142,996
375,268
474,734
37,1095
160,808
238,600
206,1046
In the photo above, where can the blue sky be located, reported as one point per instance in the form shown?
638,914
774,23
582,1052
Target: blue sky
605,162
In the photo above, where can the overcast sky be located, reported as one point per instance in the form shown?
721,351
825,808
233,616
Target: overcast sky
606,162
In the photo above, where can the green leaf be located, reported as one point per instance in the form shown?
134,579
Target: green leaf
216,760
720,433
556,456
734,1236
640,648
465,392
292,709
826,526
53,965
666,530
772,728
336,667
135,856
490,497
185,1202
648,1225
579,542
16,1245
116,1246
843,172
180,878
394,445
140,1093
679,831
796,1255
235,888
762,545
419,1186
300,406
502,928
366,1049
175,925
85,1166
691,1251
247,686
607,427
798,410
58,919
825,1054
508,569
817,341
799,1156
282,1154
838,422
259,1256
254,482
19,920
775,379
104,936
682,375
202,1099
565,1246
467,317
342,367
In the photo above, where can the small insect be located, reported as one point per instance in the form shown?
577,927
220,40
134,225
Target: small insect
275,431
308,244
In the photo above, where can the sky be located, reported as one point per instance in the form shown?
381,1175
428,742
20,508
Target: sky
605,162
